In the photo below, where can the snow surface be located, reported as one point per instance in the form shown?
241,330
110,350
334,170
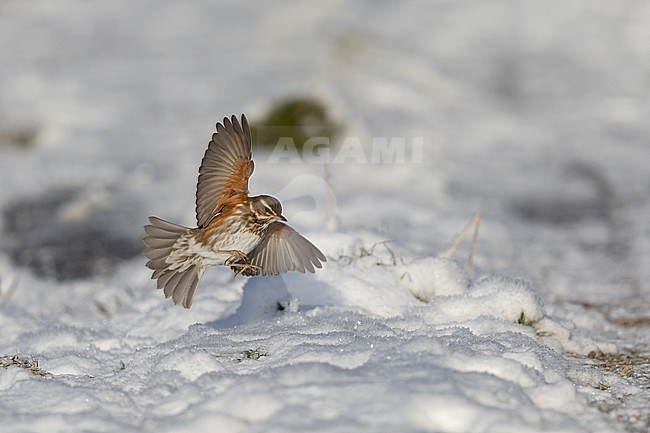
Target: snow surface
534,113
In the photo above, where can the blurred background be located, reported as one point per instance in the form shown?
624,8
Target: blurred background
535,113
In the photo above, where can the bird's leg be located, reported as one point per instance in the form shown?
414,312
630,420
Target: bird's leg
247,269
235,255
240,263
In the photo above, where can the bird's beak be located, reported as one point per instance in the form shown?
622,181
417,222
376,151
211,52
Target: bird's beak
282,218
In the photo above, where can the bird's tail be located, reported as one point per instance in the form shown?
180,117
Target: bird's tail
176,268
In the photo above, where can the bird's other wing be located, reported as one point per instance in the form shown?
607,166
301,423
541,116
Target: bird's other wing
225,169
283,249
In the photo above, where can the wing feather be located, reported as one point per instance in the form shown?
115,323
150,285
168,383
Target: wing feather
283,249
225,168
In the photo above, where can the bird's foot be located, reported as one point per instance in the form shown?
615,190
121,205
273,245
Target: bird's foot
240,263
246,269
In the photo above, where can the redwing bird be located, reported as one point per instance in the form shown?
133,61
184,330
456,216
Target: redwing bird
249,234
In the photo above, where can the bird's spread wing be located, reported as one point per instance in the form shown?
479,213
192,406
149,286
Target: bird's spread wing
225,169
282,250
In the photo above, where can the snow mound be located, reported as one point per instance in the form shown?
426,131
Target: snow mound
433,276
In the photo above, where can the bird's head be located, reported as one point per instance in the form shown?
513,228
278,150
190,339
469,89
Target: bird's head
267,209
